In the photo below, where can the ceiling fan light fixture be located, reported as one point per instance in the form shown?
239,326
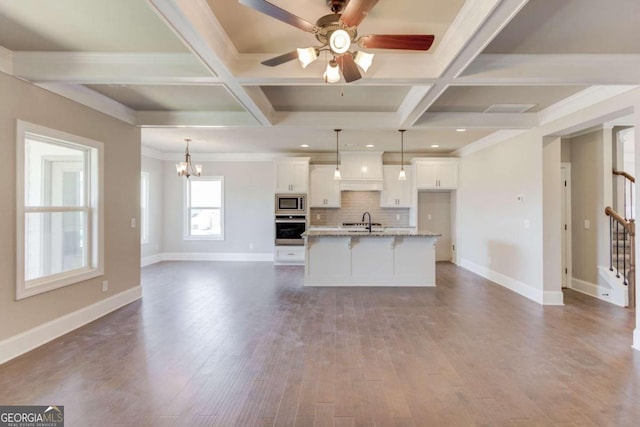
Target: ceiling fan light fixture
307,55
363,59
339,41
332,74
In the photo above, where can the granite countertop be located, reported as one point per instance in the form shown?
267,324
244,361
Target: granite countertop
387,232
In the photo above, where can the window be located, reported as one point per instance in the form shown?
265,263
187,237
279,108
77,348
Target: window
204,214
144,207
59,213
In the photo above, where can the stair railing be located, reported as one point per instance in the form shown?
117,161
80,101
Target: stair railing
619,226
629,182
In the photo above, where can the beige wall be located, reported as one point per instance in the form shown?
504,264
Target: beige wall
21,100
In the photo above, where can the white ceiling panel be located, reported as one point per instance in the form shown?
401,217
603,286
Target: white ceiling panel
84,25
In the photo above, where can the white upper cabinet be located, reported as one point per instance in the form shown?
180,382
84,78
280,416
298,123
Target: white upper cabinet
324,191
396,193
292,175
361,165
441,174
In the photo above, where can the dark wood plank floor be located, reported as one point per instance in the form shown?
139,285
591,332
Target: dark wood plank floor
242,344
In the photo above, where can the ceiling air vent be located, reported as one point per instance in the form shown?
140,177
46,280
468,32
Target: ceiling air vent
509,108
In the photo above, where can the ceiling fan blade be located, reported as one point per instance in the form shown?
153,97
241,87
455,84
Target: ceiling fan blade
397,41
356,11
349,68
273,62
279,14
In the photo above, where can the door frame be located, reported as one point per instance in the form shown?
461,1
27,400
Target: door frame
565,174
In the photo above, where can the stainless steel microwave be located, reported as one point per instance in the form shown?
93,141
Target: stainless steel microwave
291,204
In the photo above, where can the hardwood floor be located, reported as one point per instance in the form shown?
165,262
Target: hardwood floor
243,344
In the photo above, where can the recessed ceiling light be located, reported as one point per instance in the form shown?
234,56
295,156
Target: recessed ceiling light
305,146
461,130
435,146
369,145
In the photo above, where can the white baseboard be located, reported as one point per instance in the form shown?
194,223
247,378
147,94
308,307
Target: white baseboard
604,293
151,259
17,345
527,291
216,256
636,339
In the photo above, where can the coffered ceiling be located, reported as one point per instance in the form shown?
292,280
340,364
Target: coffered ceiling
191,69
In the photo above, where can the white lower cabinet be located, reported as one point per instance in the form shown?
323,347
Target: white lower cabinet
289,255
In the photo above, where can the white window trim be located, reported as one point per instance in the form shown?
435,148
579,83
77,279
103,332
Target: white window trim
95,221
145,216
185,212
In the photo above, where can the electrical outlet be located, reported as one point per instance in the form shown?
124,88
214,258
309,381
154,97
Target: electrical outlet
133,223
527,223
587,224
429,217
318,217
397,217
250,245
105,286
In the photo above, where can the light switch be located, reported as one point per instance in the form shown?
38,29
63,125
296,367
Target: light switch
133,223
527,223
429,217
587,224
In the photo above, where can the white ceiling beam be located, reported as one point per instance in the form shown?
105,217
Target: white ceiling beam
332,120
196,25
194,119
411,101
478,120
92,99
111,68
567,69
469,47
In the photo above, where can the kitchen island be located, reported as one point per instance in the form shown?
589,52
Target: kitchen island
389,257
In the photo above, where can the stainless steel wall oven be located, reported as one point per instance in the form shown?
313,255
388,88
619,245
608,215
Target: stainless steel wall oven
289,229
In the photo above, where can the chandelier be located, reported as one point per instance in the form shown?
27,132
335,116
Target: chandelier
186,168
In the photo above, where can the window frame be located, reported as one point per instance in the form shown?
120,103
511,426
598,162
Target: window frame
93,207
187,208
145,186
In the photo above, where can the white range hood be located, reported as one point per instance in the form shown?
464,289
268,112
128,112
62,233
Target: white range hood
361,171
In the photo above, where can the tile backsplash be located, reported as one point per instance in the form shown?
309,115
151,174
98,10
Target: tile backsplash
354,204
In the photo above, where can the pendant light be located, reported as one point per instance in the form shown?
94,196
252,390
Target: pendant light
336,174
402,176
186,168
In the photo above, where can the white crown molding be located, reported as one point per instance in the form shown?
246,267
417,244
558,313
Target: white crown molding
538,69
111,68
224,157
92,99
478,120
16,345
6,61
193,119
488,141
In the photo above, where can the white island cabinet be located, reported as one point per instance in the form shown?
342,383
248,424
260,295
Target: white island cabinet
359,258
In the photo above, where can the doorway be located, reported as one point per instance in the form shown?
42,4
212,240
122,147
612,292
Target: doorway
434,214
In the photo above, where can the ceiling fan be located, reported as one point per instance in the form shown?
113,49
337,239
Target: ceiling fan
337,32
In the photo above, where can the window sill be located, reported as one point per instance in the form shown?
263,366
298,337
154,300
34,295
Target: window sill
56,281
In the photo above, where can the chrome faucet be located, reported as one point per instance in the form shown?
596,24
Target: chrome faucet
368,226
